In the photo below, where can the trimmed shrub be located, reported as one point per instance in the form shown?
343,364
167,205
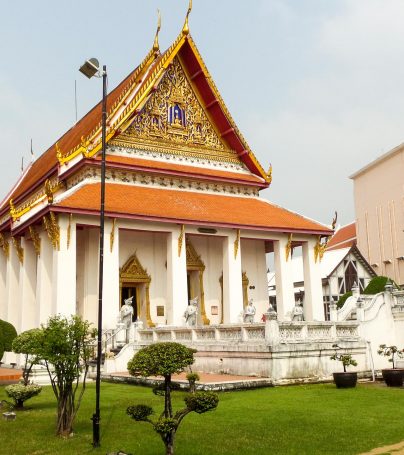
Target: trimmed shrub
1,348
20,393
377,285
201,402
140,412
343,299
7,334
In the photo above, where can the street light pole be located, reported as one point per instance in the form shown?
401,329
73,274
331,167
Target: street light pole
90,68
96,415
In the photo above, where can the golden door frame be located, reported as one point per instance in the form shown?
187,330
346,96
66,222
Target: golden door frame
245,282
131,273
195,263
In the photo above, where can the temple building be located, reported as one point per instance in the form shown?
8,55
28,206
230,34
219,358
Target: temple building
184,216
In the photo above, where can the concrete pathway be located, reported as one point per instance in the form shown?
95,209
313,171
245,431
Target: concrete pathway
395,449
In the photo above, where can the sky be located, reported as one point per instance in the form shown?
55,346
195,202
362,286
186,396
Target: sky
316,87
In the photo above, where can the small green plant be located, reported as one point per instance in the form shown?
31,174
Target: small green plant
21,393
28,343
345,359
192,378
343,299
165,359
390,351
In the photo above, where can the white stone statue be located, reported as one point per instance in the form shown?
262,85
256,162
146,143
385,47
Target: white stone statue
191,312
297,312
126,313
249,312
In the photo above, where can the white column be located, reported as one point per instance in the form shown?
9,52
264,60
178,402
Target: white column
28,286
110,307
12,294
64,269
177,293
313,290
3,276
285,292
232,280
44,280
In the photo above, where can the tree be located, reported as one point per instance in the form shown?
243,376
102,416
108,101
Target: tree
166,359
28,343
66,350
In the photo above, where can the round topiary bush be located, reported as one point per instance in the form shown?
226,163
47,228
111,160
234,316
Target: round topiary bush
7,335
139,412
377,285
201,402
20,393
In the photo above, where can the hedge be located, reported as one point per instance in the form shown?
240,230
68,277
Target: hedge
377,285
7,335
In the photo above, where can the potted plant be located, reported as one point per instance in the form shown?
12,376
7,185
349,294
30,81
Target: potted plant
344,379
393,377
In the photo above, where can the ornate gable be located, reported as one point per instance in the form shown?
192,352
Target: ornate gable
173,120
133,271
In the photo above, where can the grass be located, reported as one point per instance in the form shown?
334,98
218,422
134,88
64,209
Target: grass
312,419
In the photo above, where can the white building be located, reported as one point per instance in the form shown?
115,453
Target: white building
184,217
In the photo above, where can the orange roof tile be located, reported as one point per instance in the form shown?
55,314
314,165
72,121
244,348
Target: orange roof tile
193,171
48,160
188,207
343,238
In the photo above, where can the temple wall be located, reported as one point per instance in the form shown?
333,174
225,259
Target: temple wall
3,274
210,250
254,264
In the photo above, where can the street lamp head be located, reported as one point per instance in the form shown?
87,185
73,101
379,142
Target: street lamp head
90,67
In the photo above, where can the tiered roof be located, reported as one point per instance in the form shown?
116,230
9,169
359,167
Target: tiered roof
127,103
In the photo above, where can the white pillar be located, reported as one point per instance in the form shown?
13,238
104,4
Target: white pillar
177,293
28,286
64,269
91,267
3,276
313,290
232,279
13,298
110,307
285,292
44,280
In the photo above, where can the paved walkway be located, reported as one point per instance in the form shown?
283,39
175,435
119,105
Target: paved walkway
9,375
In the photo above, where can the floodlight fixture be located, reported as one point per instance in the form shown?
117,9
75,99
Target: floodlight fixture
90,68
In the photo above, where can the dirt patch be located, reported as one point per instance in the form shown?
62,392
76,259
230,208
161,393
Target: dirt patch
395,449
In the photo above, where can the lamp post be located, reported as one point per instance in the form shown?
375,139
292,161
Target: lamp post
91,68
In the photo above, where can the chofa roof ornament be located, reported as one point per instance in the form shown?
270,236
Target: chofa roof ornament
185,28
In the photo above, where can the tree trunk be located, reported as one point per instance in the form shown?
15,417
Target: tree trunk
65,414
169,443
168,410
19,404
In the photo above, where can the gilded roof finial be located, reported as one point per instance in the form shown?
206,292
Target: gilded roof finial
269,174
185,28
156,47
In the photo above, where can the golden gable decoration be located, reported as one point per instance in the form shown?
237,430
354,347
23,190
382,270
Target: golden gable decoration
133,271
172,118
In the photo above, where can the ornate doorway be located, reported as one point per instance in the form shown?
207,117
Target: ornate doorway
135,281
195,269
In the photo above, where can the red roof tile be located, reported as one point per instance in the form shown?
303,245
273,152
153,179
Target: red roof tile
343,238
188,207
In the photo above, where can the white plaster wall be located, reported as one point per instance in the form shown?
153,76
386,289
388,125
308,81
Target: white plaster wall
210,250
254,264
3,274
151,250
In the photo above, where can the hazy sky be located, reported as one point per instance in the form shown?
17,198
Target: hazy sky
316,87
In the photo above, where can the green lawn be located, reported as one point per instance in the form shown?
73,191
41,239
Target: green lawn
312,419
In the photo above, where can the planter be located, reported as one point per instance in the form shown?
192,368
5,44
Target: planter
393,377
345,380
9,415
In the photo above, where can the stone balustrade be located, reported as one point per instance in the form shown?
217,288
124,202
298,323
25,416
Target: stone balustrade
271,332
